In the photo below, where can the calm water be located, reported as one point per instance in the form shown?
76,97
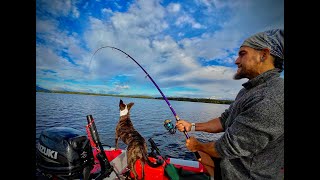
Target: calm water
147,115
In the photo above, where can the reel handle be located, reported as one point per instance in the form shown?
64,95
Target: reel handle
172,129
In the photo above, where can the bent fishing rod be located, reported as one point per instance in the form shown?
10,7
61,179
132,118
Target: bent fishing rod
155,84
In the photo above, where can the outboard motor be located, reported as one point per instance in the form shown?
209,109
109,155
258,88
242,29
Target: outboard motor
64,153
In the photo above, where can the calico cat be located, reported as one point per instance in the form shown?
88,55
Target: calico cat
136,145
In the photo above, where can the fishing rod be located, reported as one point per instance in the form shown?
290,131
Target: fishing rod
164,97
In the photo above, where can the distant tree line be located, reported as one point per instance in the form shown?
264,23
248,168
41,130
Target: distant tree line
96,94
203,100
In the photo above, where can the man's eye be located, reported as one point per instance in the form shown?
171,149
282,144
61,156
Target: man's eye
241,53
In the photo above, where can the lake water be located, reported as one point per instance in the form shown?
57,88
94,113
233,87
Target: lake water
147,116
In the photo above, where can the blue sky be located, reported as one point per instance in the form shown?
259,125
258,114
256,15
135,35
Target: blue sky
188,46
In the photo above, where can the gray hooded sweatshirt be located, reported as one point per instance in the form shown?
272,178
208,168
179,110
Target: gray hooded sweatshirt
252,145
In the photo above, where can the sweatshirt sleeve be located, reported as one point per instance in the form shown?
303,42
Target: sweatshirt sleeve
260,121
224,117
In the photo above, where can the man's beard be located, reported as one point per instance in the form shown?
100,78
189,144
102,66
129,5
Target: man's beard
239,75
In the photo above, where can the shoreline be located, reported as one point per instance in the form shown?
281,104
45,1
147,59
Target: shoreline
203,100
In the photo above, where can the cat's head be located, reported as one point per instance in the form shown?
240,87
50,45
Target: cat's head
124,108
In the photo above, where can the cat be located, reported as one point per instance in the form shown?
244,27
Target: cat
136,145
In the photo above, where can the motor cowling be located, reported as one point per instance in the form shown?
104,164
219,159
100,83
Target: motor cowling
65,152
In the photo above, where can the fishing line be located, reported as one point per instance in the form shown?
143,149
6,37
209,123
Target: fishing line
155,84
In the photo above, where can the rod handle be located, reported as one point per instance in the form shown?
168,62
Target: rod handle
195,153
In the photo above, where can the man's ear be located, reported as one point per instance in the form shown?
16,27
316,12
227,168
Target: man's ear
264,54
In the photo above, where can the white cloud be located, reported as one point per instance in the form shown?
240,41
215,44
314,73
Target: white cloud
45,26
107,10
121,87
174,7
212,5
60,8
143,19
185,19
255,16
47,59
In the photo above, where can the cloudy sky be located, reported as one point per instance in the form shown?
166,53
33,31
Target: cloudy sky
188,47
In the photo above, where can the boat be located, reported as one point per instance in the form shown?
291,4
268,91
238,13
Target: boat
68,153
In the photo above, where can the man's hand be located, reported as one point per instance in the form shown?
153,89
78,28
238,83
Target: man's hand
193,144
183,125
209,148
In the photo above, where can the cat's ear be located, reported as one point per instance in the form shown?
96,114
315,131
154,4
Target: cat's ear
121,104
130,105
